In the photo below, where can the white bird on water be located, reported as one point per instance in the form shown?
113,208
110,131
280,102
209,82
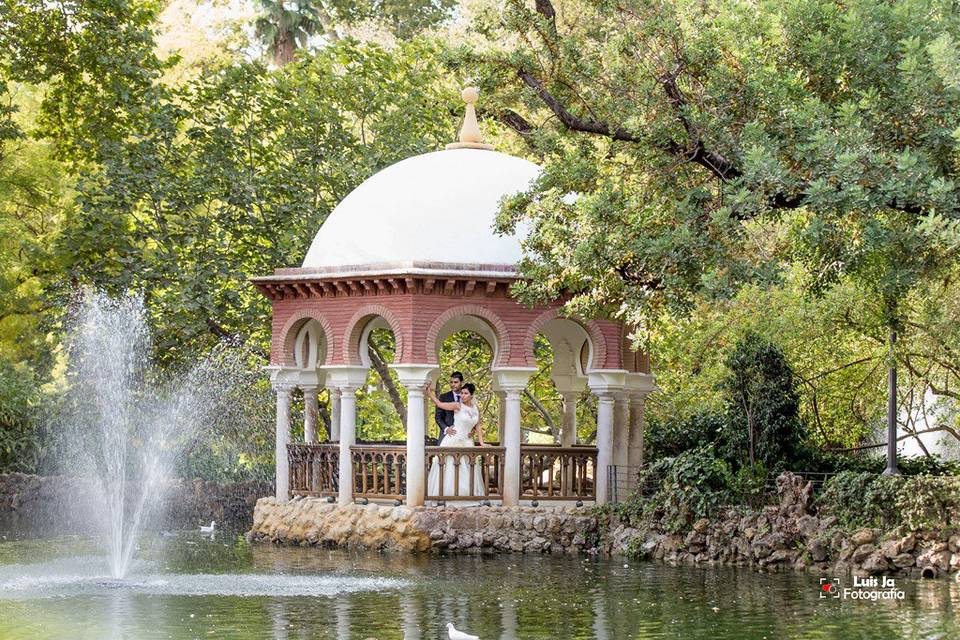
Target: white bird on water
453,634
208,529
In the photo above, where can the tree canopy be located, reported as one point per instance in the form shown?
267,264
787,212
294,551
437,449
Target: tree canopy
711,170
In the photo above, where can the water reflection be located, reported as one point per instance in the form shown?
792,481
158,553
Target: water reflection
411,610
187,588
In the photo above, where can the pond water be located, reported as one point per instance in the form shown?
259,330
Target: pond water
184,585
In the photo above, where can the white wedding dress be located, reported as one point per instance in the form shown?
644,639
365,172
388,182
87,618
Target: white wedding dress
464,420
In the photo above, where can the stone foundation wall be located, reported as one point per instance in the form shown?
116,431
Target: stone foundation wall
32,504
790,535
786,536
311,521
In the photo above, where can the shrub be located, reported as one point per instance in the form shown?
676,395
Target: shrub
667,439
19,404
861,499
693,484
873,500
763,408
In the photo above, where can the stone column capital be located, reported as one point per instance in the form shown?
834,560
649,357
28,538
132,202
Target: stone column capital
283,388
283,378
346,378
512,379
569,384
606,382
415,376
639,385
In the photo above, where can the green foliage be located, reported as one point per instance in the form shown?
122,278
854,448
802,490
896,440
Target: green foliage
691,486
669,438
872,500
406,19
714,145
282,28
761,426
762,418
232,176
750,484
97,61
837,117
839,372
34,199
19,400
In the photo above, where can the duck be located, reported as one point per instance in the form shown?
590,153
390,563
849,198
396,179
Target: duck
208,529
453,634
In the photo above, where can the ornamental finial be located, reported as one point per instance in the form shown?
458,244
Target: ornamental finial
470,137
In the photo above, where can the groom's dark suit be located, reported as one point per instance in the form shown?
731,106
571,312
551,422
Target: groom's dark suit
444,417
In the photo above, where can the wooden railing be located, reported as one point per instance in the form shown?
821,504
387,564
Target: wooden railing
314,468
379,472
549,472
463,460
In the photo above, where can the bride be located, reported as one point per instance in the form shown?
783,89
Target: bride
466,418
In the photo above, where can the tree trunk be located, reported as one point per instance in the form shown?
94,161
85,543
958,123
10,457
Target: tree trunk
892,469
380,366
542,410
324,414
285,49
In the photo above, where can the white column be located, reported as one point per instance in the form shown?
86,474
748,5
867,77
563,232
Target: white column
606,384
501,415
604,443
346,379
348,437
621,429
414,377
282,460
635,449
416,458
568,427
310,413
511,443
411,608
512,382
334,414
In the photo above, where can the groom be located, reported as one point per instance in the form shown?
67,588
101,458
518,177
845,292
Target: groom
444,417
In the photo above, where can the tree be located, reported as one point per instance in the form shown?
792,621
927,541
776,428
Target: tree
838,369
97,61
284,28
690,130
763,407
234,174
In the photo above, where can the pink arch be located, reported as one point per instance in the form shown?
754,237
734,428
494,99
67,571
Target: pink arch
288,335
597,339
496,323
351,345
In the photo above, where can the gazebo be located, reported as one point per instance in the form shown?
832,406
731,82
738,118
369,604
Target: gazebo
412,250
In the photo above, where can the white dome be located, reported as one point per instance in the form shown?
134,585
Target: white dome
434,208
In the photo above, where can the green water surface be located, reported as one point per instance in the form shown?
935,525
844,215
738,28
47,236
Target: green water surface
188,586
